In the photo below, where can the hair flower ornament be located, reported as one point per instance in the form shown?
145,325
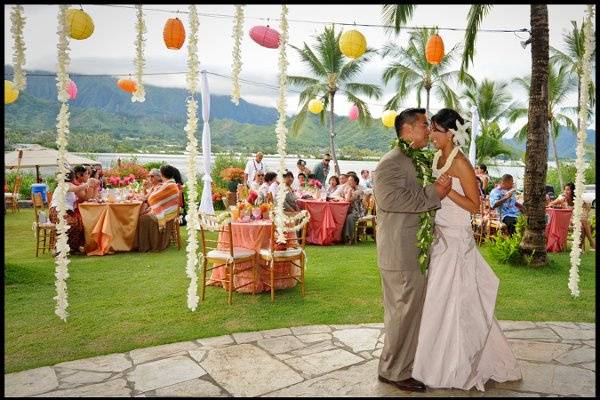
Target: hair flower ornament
460,134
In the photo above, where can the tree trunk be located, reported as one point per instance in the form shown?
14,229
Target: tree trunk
578,102
332,135
427,106
536,150
553,138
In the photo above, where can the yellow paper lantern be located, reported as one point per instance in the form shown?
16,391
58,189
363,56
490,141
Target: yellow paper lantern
79,24
315,106
10,92
353,44
388,118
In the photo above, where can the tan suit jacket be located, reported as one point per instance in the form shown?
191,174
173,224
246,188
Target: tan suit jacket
400,198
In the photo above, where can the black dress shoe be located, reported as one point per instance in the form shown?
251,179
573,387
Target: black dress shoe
409,385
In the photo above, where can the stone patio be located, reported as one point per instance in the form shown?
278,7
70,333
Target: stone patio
556,358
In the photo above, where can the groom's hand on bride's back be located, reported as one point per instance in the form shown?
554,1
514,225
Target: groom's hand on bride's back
442,185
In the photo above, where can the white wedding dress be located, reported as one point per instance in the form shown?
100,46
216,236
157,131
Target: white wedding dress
460,344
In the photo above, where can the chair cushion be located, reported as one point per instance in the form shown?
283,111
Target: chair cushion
238,252
47,225
280,253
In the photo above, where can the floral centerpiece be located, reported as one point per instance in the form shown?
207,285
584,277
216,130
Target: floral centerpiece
115,181
234,176
313,188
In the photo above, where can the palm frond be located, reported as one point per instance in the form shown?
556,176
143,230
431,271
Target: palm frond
301,81
299,120
397,15
368,89
476,14
364,115
394,102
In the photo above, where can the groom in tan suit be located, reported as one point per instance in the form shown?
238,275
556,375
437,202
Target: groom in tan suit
400,197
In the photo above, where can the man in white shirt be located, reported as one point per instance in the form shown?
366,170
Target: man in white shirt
252,167
365,179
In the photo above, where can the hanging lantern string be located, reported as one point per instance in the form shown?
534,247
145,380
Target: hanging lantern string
268,19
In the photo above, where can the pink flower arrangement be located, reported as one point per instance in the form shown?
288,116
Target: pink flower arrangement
115,181
315,183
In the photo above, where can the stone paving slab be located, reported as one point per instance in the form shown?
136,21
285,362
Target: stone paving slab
556,359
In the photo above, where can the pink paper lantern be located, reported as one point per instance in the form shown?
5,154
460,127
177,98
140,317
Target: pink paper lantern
72,90
265,36
353,114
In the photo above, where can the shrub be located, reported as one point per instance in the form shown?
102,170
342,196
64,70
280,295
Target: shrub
126,169
154,164
223,161
27,179
506,249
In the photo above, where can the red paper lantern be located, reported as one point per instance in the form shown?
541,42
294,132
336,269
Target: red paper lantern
128,85
265,36
174,34
434,50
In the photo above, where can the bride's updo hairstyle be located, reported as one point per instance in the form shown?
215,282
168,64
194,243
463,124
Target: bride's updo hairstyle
446,119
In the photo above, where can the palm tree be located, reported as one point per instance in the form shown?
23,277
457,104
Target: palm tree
560,85
332,73
412,71
573,60
492,100
533,241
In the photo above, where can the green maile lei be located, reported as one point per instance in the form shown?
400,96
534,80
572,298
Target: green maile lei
421,159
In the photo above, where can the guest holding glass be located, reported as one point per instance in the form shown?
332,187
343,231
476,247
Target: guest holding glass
334,182
503,199
302,168
567,200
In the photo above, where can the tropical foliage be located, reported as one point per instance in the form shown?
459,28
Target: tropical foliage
331,72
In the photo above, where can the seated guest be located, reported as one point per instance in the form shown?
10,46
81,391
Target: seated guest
259,178
365,179
301,180
155,224
567,200
150,185
78,184
334,182
268,189
301,164
339,192
95,184
290,202
356,210
502,198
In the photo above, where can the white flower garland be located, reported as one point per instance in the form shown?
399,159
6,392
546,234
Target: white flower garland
238,26
192,150
281,130
138,61
580,162
17,23
62,245
434,169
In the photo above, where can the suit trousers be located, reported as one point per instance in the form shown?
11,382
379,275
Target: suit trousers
403,298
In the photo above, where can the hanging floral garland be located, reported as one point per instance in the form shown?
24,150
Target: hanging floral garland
238,26
138,61
281,130
62,245
192,151
580,162
17,23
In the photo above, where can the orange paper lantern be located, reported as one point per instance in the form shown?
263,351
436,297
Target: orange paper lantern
174,34
434,50
128,85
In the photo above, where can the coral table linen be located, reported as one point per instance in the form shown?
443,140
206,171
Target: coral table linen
327,220
109,227
254,235
557,228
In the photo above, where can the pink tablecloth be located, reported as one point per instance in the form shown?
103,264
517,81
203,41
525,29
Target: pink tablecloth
557,228
327,220
253,236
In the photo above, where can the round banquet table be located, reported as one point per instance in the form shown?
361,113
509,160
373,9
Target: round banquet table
557,228
109,227
253,235
327,219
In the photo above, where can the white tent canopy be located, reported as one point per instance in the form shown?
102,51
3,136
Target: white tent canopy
38,156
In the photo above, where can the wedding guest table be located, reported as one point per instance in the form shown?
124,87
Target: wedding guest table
253,235
109,227
557,228
327,220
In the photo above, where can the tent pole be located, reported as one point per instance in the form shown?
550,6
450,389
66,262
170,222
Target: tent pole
37,174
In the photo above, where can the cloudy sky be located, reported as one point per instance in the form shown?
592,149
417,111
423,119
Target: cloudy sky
499,56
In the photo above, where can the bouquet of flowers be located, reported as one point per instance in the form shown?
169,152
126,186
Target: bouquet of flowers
233,175
315,183
114,181
313,188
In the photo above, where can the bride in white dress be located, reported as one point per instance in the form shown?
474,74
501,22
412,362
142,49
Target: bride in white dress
460,344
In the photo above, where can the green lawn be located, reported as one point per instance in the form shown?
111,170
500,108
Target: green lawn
121,302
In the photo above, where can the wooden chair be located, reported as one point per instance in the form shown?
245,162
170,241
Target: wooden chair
229,258
49,198
45,231
368,221
13,198
175,234
479,221
294,254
